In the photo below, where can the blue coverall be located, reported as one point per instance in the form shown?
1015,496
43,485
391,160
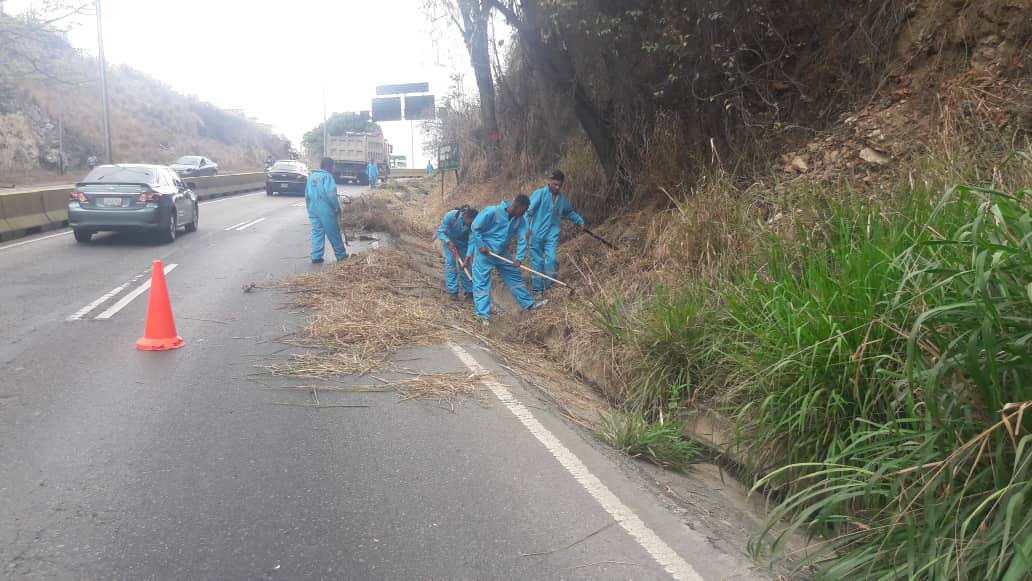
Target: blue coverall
494,229
372,172
544,216
452,228
322,203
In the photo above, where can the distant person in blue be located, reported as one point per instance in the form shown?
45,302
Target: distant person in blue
429,168
454,236
492,231
548,206
372,172
323,210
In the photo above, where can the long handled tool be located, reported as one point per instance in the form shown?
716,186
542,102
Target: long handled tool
599,238
532,271
460,262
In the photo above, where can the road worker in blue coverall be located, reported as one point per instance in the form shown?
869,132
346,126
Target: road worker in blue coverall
323,210
548,206
492,231
454,235
372,172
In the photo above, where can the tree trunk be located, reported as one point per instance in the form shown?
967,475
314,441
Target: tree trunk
476,18
557,67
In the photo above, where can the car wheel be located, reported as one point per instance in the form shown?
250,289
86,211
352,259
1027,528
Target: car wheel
82,235
192,226
169,234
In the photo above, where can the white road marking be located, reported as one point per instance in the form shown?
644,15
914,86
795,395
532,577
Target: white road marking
228,198
664,555
78,315
67,232
228,228
121,304
249,224
299,204
9,246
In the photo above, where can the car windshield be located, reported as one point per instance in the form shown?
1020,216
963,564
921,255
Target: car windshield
122,174
189,160
286,166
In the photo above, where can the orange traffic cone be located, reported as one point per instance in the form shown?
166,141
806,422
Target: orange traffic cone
160,333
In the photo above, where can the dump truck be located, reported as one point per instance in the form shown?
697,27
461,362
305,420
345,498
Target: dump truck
352,152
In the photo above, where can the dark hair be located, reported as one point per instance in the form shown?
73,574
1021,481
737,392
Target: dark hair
521,200
471,213
558,175
326,164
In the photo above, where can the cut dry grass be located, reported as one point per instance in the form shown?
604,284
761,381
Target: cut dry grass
367,307
444,389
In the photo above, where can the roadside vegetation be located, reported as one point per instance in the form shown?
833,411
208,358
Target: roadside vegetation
825,241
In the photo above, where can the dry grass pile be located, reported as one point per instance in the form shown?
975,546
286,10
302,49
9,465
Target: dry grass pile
383,210
444,389
367,307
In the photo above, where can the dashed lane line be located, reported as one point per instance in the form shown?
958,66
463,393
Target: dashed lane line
124,301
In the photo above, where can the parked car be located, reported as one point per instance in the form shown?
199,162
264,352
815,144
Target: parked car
132,197
286,177
195,166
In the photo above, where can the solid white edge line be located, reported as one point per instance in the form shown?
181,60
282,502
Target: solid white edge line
676,566
249,224
40,239
121,304
67,232
228,198
228,228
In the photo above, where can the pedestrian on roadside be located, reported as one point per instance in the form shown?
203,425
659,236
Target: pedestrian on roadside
548,206
372,172
429,168
454,235
492,231
324,212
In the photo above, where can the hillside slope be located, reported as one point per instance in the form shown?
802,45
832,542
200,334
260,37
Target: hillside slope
46,85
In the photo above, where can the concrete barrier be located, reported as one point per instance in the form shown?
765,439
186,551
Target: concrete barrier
25,211
22,212
55,204
215,186
407,172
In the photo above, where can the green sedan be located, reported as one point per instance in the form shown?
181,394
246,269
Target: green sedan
133,198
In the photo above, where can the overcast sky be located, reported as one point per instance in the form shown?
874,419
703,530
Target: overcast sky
271,59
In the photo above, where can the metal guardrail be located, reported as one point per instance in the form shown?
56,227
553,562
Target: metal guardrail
28,211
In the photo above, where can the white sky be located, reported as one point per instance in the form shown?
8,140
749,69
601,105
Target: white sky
271,59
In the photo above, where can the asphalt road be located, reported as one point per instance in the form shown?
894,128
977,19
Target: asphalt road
122,464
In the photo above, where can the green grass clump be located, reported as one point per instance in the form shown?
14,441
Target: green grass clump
877,361
660,443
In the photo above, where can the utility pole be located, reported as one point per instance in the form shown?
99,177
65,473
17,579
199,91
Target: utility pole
325,128
103,87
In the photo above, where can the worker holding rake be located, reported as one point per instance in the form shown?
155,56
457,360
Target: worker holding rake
492,231
454,236
548,206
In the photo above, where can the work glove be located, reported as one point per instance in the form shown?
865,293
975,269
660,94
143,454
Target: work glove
466,261
517,263
485,250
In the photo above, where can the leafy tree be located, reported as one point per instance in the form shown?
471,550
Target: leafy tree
338,124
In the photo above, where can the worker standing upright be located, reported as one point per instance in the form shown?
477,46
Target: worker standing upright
323,211
548,207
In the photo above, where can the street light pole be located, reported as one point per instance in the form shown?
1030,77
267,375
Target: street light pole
103,87
325,129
